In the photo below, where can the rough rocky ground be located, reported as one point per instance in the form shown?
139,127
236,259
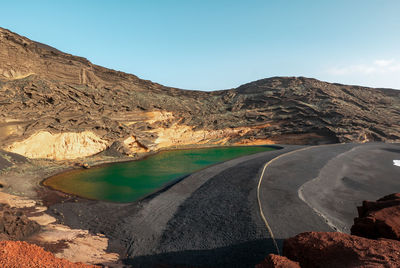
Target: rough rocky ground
24,219
15,225
17,254
319,249
380,219
377,220
47,97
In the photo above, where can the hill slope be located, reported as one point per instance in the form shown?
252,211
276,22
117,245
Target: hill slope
59,106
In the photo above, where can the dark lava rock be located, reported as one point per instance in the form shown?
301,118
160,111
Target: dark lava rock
334,249
117,149
14,225
380,219
8,159
276,261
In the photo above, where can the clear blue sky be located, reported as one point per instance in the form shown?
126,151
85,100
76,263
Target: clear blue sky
218,44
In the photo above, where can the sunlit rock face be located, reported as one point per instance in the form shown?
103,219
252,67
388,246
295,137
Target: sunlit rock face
45,90
67,145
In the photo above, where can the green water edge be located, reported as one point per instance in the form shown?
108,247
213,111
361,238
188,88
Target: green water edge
130,181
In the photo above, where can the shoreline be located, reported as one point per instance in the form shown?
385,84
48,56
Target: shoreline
65,211
125,223
102,163
188,219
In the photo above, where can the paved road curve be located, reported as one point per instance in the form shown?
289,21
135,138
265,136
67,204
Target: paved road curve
332,180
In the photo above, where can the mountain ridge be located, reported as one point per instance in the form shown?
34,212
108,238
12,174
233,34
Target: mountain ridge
47,93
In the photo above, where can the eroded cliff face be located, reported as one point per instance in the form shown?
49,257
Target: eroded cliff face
43,90
67,145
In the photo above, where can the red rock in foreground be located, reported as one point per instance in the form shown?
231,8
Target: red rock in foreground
276,261
21,254
333,249
379,219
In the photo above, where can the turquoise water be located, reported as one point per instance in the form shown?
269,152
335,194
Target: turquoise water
130,181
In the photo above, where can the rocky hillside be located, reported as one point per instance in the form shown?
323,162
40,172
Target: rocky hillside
55,105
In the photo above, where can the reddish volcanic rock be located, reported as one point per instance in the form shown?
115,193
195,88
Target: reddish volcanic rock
333,249
379,219
276,261
21,254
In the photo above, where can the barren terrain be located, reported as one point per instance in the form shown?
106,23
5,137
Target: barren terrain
59,112
73,109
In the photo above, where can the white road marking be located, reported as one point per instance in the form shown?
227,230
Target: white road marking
258,192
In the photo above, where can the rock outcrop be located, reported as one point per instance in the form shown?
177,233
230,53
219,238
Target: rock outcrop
380,219
374,241
59,146
276,261
20,218
334,249
14,225
45,90
8,159
19,254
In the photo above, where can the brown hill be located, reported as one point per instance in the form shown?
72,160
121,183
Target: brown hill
55,105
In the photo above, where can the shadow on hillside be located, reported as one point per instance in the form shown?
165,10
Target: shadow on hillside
240,255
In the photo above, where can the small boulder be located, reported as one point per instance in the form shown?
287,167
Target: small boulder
86,165
117,149
380,219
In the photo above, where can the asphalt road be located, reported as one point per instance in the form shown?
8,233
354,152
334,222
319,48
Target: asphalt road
318,188
212,219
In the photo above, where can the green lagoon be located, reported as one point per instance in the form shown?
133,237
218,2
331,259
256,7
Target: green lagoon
130,181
